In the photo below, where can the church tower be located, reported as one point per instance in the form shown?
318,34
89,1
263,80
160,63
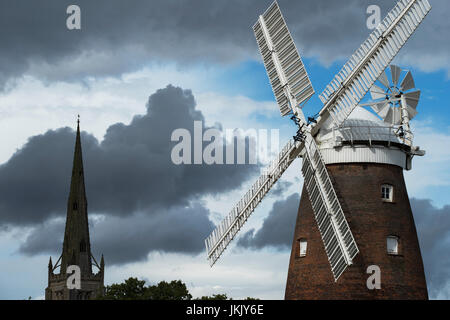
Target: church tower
76,247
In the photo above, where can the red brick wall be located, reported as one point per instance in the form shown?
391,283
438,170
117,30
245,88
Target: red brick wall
371,220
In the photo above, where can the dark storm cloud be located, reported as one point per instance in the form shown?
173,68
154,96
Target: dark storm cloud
44,238
129,171
130,239
176,230
119,36
433,228
277,229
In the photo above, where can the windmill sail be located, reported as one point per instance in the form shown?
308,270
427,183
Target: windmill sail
283,64
219,239
358,75
407,82
269,31
340,246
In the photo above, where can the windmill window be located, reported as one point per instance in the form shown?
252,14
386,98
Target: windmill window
387,192
302,248
75,206
392,245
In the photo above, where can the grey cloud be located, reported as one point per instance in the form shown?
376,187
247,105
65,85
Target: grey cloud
118,36
46,237
129,171
130,239
433,228
35,181
280,187
177,230
277,229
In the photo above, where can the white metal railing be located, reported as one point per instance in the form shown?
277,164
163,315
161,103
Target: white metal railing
371,133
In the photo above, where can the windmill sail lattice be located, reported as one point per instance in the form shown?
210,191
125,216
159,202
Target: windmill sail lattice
337,237
358,75
219,239
287,74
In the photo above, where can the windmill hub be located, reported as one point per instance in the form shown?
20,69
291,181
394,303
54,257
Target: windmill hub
394,91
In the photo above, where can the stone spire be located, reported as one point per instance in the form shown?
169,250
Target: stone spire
76,246
50,269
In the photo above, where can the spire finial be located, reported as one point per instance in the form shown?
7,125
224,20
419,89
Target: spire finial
78,120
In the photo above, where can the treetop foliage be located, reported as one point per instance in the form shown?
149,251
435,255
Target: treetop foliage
135,289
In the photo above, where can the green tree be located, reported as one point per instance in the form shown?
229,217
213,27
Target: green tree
175,290
219,296
131,289
134,289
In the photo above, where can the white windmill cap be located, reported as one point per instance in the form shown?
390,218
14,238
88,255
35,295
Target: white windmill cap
366,131
361,125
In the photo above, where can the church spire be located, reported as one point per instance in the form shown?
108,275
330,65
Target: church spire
76,247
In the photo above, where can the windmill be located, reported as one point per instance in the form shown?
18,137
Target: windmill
322,143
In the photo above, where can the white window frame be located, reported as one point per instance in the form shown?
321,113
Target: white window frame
303,247
390,189
396,246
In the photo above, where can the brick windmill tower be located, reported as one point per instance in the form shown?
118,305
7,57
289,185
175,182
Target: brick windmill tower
76,246
355,236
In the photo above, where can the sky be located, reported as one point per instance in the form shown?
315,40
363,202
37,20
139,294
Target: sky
134,74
